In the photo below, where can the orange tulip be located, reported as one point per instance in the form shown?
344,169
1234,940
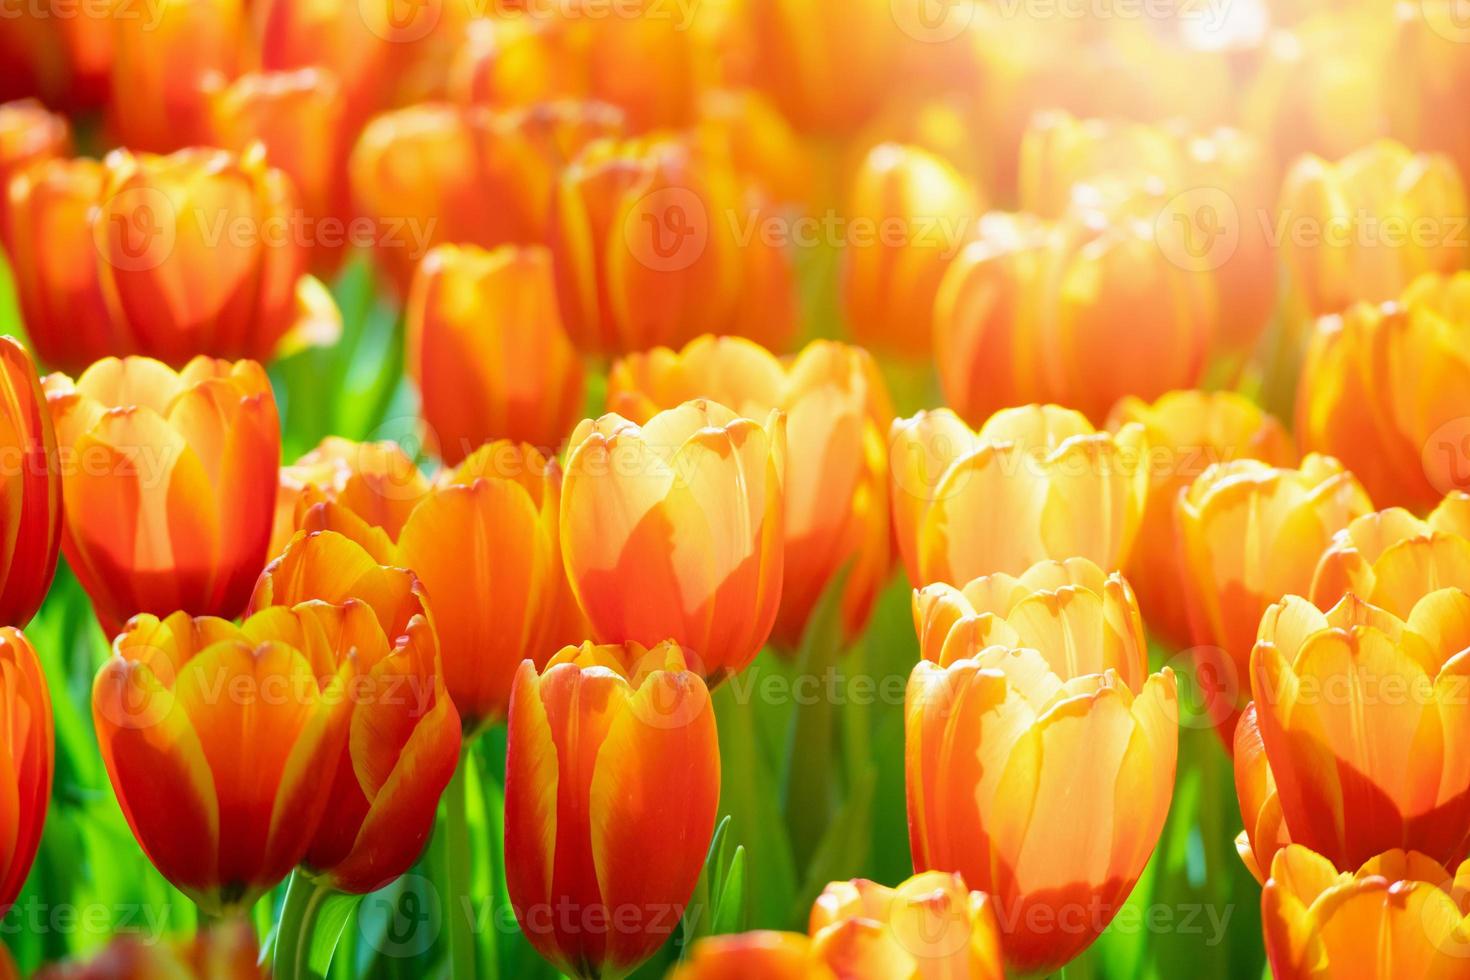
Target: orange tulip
111,245
674,529
300,119
507,494
228,951
375,480
1430,75
169,483
1034,483
520,60
58,51
765,954
654,240
1030,715
910,213
1187,432
611,789
744,126
1367,226
163,64
27,759
1250,534
28,135
1399,916
466,174
1352,746
929,926
218,739
1392,558
405,733
31,531
836,486
1386,388
1216,185
1038,306
488,351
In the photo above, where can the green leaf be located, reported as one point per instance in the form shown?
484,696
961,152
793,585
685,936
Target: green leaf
843,849
730,911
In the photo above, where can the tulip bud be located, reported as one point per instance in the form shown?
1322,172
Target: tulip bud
28,135
1351,745
702,477
608,749
374,480
1386,387
1039,717
218,739
1319,923
169,483
910,214
227,951
1249,534
27,746
467,175
765,954
31,531
1187,432
1392,559
836,486
1364,228
1033,483
169,257
488,351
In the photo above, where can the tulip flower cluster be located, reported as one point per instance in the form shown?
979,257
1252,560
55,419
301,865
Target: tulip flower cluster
635,364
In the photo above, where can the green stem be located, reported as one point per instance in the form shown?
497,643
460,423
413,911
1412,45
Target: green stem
457,875
304,901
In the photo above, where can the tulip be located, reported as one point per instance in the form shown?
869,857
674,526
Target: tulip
27,759
1251,533
403,748
765,954
1386,387
1034,483
674,529
163,64
929,926
744,126
375,480
837,415
1187,431
649,247
169,257
28,135
58,52
464,174
1038,306
31,532
1351,747
1431,73
169,483
1216,184
608,749
218,739
488,351
227,951
1038,721
1392,558
520,60
299,118
1364,228
910,212
1399,915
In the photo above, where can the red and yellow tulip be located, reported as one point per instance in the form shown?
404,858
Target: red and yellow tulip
228,951
28,135
169,483
27,759
488,351
1030,719
675,529
1385,388
1033,483
30,531
1250,534
1187,432
609,748
836,485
